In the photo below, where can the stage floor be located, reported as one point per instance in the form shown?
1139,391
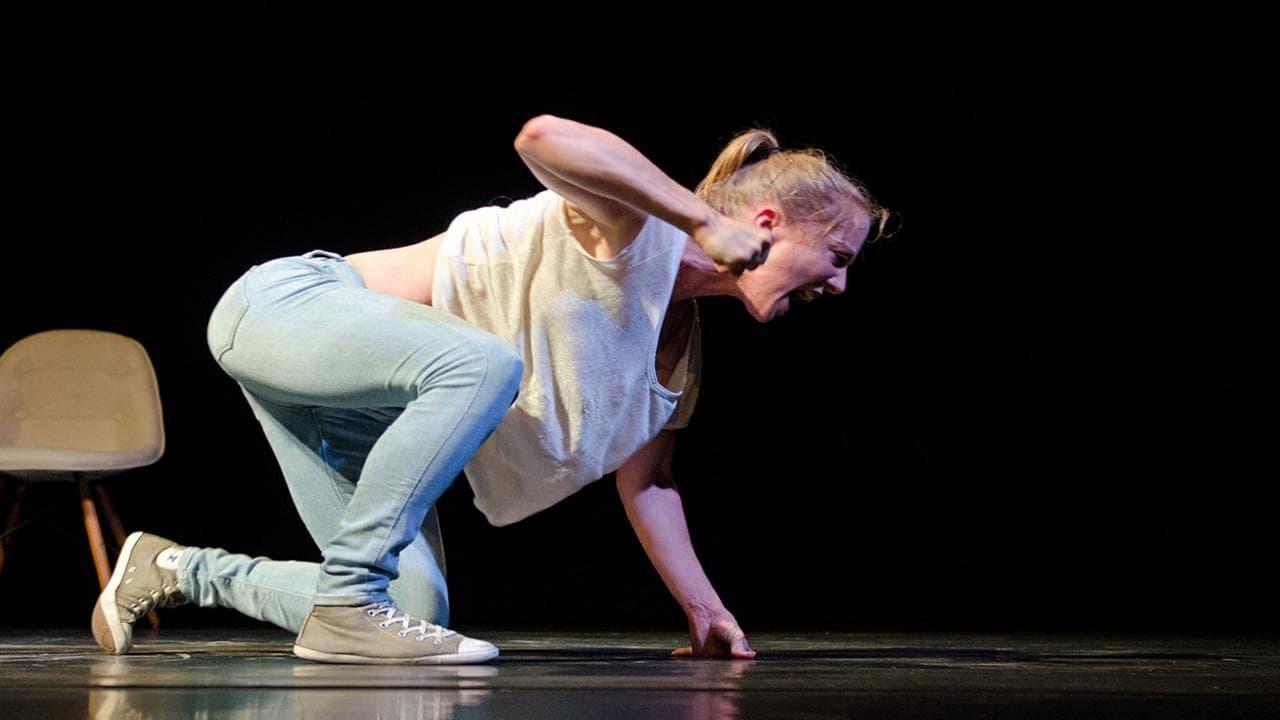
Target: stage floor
176,673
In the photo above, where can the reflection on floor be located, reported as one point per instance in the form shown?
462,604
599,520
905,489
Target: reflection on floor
252,673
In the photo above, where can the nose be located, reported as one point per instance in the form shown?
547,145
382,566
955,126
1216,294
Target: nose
835,284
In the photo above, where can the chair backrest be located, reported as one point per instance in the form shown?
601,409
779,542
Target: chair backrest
87,390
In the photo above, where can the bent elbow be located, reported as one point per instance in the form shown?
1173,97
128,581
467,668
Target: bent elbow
534,128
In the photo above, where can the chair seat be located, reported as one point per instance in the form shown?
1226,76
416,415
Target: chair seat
83,401
36,464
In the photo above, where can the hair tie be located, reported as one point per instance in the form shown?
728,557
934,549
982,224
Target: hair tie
759,154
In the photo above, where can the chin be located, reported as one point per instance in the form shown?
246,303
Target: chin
774,311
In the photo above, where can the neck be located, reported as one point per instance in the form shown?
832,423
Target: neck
698,276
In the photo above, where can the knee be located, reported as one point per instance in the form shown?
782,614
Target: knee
504,365
489,361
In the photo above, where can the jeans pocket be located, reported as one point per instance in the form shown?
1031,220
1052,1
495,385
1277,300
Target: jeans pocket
225,319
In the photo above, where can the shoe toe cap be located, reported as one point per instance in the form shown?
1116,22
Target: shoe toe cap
478,647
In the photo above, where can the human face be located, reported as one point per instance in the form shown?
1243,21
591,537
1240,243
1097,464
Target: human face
801,265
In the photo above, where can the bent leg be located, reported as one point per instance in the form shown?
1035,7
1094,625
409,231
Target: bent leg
372,405
282,592
322,451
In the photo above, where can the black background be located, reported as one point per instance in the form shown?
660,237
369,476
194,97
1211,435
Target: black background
1043,404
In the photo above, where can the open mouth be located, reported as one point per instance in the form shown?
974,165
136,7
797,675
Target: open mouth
795,296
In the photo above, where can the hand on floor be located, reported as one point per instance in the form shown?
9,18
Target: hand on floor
716,636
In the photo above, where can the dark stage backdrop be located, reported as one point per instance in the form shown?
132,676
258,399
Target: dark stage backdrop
1044,404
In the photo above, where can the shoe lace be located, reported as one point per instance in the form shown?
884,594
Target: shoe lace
164,596
410,624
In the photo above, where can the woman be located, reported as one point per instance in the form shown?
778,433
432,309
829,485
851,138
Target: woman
539,346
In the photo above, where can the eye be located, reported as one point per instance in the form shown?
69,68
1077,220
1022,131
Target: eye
843,258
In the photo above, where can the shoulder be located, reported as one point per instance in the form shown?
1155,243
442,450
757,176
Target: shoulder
602,226
619,227
602,238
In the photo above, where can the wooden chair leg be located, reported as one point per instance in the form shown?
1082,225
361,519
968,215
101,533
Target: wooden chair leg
117,530
109,512
92,528
11,520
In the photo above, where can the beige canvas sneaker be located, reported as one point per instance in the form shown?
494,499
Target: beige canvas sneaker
145,578
380,634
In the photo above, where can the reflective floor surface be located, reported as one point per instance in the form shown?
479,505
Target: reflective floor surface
252,674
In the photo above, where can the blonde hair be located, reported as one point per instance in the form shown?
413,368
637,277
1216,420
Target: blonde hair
809,186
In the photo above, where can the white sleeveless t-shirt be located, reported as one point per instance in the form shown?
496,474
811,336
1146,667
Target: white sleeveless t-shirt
587,330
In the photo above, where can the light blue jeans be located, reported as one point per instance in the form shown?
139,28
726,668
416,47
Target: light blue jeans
372,405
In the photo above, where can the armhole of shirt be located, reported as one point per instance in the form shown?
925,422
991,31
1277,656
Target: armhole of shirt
692,364
560,220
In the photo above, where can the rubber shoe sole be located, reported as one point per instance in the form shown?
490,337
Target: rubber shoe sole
469,651
114,636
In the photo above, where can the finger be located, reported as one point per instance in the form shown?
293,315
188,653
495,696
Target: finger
759,258
682,652
719,645
740,647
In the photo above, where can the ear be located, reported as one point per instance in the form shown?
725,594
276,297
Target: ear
766,217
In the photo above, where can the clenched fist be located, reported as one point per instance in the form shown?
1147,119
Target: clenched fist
733,245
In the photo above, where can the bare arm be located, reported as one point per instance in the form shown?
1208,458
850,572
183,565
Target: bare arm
653,506
604,164
618,187
656,513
